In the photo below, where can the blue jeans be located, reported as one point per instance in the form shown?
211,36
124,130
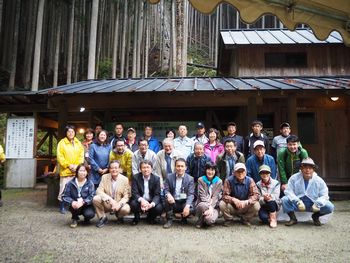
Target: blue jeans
290,206
266,209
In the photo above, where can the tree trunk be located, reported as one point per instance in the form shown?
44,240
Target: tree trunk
135,38
128,49
37,50
172,70
100,27
92,41
57,48
122,56
70,43
115,42
139,38
147,43
15,46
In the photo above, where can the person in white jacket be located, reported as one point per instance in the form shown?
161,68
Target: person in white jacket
306,191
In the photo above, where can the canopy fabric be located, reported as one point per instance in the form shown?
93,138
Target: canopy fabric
322,16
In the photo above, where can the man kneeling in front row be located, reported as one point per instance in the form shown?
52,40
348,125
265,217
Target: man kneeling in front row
112,194
240,197
306,191
145,191
179,193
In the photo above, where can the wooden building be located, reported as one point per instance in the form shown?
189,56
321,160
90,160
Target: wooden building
317,106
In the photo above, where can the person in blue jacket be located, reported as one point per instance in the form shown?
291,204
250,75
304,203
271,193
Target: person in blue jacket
99,157
259,158
78,195
153,143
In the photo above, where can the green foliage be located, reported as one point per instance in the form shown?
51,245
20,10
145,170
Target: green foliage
44,149
200,57
105,69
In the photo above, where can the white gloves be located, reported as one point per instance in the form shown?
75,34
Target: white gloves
301,206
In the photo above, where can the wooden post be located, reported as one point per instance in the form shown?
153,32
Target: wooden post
252,112
292,113
62,119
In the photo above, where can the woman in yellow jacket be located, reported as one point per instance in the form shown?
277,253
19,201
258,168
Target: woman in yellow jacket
70,153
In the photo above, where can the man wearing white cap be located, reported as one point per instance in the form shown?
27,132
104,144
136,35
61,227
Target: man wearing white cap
306,191
259,158
240,197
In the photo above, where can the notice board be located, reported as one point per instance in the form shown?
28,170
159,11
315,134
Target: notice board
20,138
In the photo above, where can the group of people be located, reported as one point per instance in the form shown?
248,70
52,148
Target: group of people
234,177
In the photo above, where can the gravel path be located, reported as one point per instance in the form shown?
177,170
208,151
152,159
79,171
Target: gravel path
32,232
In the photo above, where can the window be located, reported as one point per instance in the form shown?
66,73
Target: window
307,127
285,60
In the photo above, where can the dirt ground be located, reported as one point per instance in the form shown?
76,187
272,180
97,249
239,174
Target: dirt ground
32,232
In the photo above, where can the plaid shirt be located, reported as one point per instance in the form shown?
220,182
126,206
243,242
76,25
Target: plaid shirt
253,193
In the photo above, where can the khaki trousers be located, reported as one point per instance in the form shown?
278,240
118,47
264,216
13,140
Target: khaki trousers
247,213
102,207
63,181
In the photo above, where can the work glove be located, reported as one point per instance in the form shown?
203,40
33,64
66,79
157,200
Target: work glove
301,206
315,208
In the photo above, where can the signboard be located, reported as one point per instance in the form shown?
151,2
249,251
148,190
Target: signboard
20,138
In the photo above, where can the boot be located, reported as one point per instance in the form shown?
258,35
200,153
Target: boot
273,219
316,218
292,221
169,220
62,208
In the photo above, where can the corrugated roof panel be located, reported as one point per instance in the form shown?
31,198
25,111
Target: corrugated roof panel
336,35
296,83
170,85
333,39
278,85
296,37
204,84
239,38
267,37
310,36
136,85
253,37
226,37
239,84
186,85
283,38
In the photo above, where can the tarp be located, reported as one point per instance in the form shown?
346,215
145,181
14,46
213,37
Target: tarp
322,16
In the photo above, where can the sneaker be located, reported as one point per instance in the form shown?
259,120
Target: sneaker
102,222
227,223
245,222
184,221
199,223
74,223
168,224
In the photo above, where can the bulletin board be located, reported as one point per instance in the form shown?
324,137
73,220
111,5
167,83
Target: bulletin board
20,138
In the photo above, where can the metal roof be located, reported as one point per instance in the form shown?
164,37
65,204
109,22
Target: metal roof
201,84
275,36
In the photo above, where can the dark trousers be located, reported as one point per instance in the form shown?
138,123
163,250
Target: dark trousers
87,211
177,207
151,214
265,209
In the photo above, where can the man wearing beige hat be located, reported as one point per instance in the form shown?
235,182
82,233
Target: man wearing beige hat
306,191
240,197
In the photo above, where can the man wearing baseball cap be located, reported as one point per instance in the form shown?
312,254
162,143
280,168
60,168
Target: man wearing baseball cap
259,158
200,136
240,197
306,191
280,141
